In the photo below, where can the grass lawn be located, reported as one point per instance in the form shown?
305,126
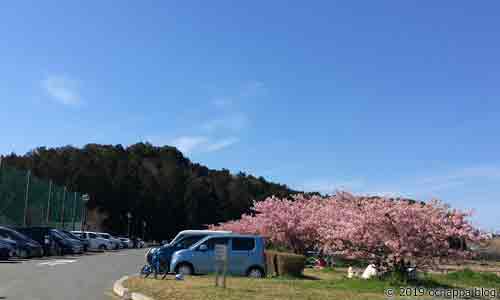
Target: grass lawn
316,284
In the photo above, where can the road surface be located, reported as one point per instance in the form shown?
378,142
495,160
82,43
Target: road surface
84,277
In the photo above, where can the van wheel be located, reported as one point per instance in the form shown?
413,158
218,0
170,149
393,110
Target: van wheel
184,269
255,273
102,247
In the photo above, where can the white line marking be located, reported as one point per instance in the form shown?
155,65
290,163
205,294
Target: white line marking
57,262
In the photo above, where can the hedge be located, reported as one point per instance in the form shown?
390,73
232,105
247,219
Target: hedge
284,264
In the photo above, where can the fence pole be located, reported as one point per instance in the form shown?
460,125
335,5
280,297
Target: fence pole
83,218
62,208
48,202
26,198
74,211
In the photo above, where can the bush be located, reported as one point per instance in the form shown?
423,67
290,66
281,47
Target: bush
284,264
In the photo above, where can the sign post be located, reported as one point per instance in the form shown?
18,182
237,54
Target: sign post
220,265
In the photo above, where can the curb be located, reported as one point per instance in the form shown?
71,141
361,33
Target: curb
124,293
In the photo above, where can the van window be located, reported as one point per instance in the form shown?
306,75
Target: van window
243,244
216,241
92,235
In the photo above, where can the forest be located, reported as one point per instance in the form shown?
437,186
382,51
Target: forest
157,185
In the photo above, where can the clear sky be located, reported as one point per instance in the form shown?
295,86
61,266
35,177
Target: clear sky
391,97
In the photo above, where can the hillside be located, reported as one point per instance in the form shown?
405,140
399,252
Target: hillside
156,184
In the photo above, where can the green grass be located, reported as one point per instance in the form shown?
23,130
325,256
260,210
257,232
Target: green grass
465,278
314,285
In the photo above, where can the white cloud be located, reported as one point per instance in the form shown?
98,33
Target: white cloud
186,144
233,122
253,89
326,186
416,187
460,176
221,144
223,102
62,89
200,144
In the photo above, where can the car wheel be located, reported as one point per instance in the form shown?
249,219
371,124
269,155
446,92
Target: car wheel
255,273
102,247
185,269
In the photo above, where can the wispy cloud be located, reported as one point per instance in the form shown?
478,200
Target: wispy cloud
232,122
186,144
62,89
419,187
221,144
326,186
252,89
223,102
200,144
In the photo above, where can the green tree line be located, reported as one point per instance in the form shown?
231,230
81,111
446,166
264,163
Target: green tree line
157,185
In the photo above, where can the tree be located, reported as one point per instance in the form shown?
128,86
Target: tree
386,231
157,184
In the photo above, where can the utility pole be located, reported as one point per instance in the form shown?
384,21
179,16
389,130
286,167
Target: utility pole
62,208
74,211
26,198
48,202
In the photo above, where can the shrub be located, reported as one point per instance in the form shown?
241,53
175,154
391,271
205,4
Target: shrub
284,264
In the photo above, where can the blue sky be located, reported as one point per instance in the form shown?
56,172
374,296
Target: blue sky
388,97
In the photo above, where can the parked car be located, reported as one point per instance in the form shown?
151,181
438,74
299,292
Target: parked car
117,244
245,256
95,242
55,242
141,243
7,249
25,247
160,257
69,234
126,242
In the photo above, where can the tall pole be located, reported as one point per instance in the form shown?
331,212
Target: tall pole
129,217
85,199
26,198
74,211
143,230
48,202
62,208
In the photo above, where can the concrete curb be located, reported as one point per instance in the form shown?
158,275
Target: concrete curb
124,293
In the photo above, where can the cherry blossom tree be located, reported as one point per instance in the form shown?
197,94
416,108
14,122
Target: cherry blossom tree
387,231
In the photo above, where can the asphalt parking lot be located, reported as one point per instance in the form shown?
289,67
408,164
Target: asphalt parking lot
81,277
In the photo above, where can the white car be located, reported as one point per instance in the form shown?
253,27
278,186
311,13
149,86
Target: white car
126,242
95,242
117,244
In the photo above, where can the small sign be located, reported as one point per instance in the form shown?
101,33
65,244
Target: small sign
220,253
220,265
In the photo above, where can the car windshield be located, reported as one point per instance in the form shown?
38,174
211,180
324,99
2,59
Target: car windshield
71,235
15,235
177,238
58,234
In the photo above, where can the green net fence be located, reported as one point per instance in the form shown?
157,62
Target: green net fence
26,200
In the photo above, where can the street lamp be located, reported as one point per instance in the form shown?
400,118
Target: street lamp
129,217
85,200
